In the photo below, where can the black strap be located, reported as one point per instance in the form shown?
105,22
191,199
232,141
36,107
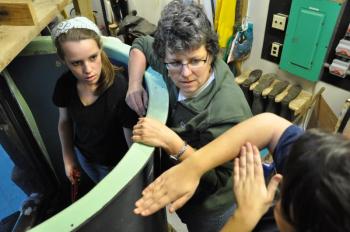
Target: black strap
212,8
344,121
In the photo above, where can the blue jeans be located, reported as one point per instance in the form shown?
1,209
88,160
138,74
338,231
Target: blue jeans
95,171
206,222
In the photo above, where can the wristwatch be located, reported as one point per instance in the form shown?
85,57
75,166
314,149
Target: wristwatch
178,155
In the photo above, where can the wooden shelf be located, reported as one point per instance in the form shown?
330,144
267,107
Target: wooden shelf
14,38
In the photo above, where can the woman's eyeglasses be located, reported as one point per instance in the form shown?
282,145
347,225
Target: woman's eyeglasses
192,64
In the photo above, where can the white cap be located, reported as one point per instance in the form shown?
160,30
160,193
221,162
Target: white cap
76,22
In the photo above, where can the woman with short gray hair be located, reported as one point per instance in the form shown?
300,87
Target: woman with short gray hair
183,32
204,103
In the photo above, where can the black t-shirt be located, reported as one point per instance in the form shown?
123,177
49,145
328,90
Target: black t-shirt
97,128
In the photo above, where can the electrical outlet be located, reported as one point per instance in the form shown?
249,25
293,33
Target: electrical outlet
279,21
275,49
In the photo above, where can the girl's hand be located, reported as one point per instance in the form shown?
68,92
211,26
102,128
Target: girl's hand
72,171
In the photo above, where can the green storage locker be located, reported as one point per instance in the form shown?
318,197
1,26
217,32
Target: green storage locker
310,28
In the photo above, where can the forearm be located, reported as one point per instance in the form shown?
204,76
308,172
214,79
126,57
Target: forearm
240,222
66,138
174,143
262,130
136,67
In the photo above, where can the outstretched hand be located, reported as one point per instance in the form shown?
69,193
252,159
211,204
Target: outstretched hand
252,195
175,187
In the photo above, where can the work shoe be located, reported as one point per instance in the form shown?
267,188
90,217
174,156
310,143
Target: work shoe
293,92
264,82
278,88
260,102
253,77
243,76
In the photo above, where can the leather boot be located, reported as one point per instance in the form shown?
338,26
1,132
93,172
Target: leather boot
253,77
278,88
259,102
293,92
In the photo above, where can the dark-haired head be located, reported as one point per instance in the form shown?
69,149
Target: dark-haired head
184,27
316,186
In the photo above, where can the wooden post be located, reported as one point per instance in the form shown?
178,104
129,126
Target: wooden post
84,8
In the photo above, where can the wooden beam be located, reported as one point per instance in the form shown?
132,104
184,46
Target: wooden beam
14,38
84,8
17,13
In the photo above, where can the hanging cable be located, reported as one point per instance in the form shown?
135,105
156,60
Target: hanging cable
105,17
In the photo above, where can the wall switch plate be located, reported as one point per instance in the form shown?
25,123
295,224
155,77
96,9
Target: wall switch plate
279,21
276,49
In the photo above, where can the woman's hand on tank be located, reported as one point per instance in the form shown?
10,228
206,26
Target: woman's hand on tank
252,196
153,133
137,99
175,187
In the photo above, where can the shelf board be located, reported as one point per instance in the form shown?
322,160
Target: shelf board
14,38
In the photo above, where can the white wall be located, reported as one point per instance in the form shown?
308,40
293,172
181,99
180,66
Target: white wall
96,6
257,13
334,96
148,9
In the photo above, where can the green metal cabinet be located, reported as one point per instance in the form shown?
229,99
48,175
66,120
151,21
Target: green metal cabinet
310,28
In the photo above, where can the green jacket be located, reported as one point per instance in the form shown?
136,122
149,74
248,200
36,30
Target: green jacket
201,119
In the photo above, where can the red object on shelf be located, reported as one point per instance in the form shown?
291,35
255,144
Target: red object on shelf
343,48
339,68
